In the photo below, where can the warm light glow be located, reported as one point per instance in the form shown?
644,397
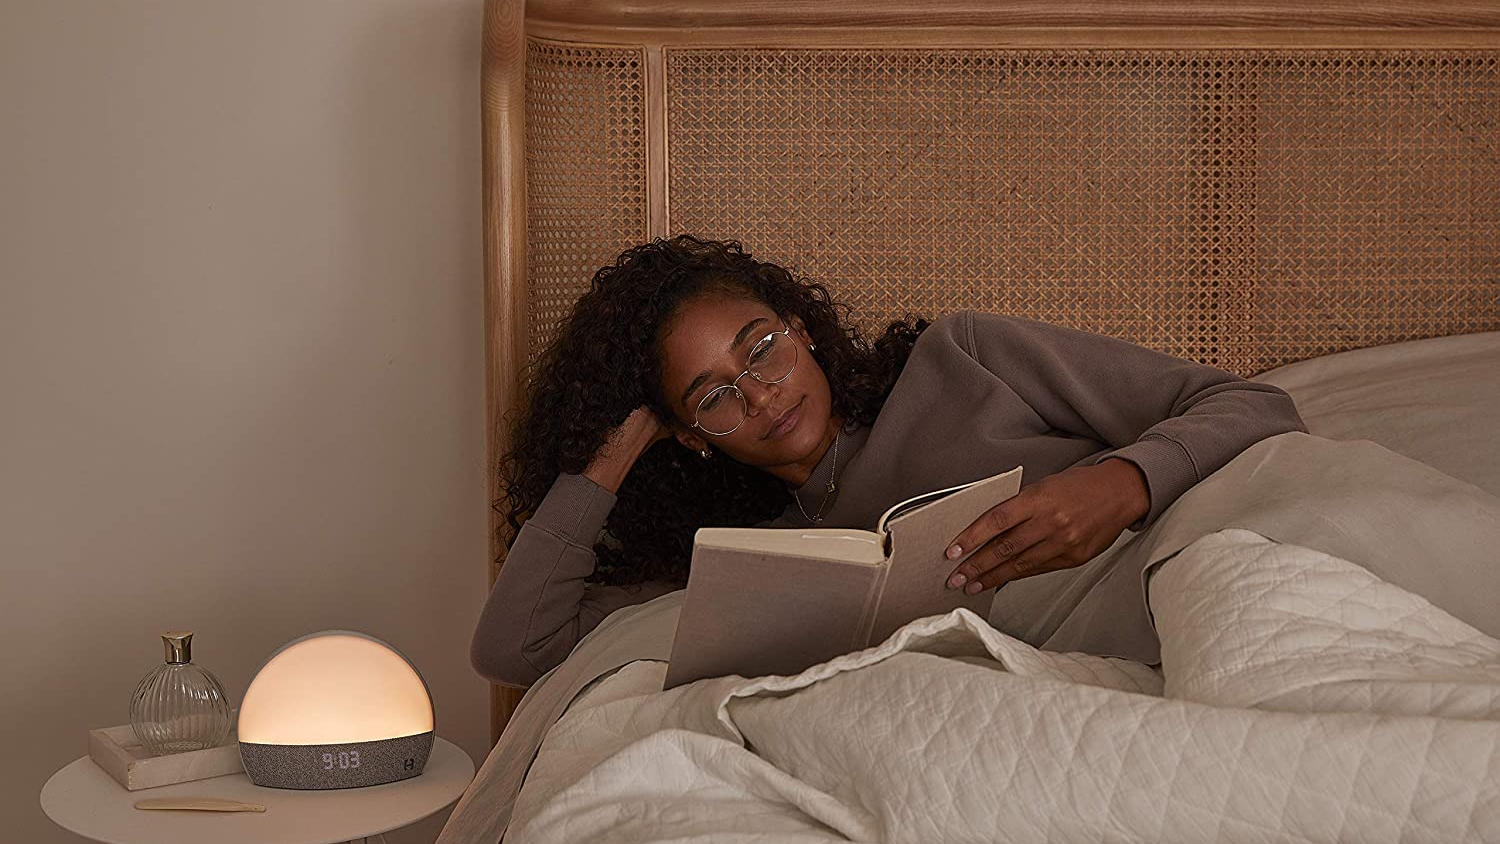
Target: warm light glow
334,687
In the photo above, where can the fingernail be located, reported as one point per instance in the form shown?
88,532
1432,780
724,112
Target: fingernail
973,588
956,581
954,551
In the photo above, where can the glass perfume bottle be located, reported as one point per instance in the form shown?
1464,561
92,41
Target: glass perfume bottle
179,706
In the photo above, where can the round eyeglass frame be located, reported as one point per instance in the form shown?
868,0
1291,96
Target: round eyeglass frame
733,385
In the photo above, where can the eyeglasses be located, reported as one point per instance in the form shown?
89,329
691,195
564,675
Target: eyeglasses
724,408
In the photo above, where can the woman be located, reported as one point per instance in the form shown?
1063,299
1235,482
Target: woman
695,386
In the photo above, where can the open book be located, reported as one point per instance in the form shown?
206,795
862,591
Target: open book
778,600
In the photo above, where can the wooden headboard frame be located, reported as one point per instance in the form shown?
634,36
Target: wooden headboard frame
1240,183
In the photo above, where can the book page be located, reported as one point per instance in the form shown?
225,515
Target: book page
917,502
846,545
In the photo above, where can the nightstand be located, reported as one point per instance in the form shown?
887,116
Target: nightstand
82,798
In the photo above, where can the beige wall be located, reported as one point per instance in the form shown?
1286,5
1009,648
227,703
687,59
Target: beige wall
241,351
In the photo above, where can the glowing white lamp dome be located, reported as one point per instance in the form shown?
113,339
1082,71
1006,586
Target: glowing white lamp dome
335,709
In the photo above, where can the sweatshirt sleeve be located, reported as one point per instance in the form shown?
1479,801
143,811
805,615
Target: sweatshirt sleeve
1178,421
539,607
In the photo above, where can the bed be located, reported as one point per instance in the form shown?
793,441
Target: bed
1307,193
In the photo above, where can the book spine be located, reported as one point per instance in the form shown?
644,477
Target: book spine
872,607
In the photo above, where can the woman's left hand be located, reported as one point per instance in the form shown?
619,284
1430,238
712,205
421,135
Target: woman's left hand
1059,522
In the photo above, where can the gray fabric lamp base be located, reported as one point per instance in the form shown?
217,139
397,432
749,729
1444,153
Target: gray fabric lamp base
352,765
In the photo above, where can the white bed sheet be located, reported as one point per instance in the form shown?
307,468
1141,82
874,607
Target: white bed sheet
1435,400
1304,701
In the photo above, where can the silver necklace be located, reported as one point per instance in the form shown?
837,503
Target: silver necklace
832,469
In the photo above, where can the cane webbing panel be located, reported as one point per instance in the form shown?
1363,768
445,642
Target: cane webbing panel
1378,201
1243,209
585,172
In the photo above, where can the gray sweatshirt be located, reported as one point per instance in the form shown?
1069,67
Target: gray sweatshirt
980,394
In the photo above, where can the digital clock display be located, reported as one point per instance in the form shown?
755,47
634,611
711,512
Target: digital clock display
342,760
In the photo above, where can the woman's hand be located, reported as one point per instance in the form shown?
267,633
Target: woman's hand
640,430
1059,522
623,445
643,423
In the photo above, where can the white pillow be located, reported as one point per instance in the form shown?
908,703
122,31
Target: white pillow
1434,400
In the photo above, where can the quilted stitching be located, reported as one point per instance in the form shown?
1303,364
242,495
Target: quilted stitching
1300,700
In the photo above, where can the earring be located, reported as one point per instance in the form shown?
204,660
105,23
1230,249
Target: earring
704,452
811,346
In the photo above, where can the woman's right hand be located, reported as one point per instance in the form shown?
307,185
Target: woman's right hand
642,424
624,444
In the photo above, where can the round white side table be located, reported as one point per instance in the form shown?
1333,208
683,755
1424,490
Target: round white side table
82,798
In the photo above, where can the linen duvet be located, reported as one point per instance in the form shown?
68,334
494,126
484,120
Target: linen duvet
1329,672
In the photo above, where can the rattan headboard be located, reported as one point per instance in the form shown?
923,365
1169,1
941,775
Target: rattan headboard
1239,183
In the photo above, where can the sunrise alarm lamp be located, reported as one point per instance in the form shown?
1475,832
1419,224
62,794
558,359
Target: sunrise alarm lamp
335,709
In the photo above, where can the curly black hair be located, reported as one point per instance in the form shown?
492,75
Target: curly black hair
604,363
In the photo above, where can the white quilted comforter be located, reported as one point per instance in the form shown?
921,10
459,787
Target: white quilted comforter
1300,698
1304,700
